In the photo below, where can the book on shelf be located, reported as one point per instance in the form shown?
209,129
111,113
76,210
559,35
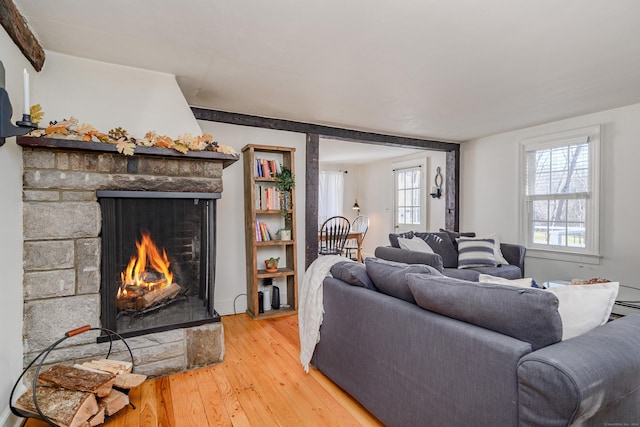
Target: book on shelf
263,234
268,197
264,168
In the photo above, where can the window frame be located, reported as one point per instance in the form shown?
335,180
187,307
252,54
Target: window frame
591,252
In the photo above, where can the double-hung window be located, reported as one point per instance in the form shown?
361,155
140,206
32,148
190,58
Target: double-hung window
560,192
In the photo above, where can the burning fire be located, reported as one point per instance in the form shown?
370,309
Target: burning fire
137,275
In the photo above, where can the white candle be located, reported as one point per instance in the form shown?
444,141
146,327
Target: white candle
25,88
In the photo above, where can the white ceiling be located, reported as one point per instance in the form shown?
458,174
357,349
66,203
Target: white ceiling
452,70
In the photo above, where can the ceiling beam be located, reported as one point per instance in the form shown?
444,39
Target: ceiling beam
323,131
17,28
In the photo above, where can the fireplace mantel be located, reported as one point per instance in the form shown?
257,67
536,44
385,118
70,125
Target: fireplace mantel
75,145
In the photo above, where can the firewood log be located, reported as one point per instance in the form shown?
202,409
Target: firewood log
67,408
98,418
129,381
159,295
72,378
114,402
126,380
109,365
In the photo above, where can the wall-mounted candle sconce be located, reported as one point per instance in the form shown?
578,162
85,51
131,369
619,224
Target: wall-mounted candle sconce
356,206
437,190
7,129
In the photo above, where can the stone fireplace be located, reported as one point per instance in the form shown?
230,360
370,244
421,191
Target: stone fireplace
71,190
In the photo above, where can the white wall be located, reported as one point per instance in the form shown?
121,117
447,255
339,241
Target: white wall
489,187
11,234
230,269
376,197
108,96
104,95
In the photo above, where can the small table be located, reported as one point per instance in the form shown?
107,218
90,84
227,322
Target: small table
627,302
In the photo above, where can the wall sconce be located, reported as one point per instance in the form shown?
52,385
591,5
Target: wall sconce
437,190
356,206
7,129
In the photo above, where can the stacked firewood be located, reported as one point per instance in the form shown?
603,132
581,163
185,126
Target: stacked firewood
81,395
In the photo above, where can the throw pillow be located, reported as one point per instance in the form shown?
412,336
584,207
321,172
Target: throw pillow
353,273
527,282
497,252
442,245
414,244
389,277
584,307
453,235
475,253
529,315
393,238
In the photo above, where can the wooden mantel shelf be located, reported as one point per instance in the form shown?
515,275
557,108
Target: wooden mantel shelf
75,145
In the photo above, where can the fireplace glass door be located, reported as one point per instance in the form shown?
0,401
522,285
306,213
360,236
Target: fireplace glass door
158,260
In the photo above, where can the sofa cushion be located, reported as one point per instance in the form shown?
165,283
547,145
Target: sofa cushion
353,273
505,271
393,238
441,244
453,235
415,244
526,282
389,277
584,307
529,315
474,253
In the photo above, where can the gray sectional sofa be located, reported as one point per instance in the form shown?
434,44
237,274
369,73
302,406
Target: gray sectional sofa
494,358
445,256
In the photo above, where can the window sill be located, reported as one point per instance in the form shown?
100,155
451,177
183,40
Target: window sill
580,258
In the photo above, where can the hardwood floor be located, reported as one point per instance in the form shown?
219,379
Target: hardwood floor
259,383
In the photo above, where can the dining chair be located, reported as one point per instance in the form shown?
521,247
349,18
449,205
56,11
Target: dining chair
360,224
333,235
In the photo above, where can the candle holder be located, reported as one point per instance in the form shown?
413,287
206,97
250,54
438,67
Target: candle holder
7,129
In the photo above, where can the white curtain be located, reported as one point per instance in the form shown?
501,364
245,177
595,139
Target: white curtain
330,194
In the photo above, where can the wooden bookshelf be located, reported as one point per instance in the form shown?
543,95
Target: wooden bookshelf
257,250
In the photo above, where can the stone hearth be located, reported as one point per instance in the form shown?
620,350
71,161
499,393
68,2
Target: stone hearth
62,253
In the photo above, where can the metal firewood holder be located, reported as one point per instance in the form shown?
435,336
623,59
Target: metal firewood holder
43,356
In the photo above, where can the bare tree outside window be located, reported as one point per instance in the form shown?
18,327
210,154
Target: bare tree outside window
558,188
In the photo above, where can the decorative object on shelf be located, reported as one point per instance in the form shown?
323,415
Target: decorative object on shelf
285,183
271,264
437,190
7,129
284,234
356,206
125,142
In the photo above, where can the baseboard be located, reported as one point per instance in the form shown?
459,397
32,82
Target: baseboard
8,419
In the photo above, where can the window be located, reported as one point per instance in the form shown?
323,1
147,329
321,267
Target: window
330,195
408,200
560,192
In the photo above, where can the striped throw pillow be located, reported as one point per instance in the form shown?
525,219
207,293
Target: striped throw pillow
475,253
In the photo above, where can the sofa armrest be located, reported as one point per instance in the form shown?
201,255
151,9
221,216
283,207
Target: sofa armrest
514,254
592,379
409,257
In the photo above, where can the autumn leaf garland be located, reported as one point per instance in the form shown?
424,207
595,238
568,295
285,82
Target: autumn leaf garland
125,143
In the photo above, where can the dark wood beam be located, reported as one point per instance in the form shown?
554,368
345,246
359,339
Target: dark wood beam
452,190
322,131
15,25
314,132
311,196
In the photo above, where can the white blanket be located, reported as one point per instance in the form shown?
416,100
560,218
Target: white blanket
310,306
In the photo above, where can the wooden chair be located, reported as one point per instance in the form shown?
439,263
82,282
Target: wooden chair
360,224
333,235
